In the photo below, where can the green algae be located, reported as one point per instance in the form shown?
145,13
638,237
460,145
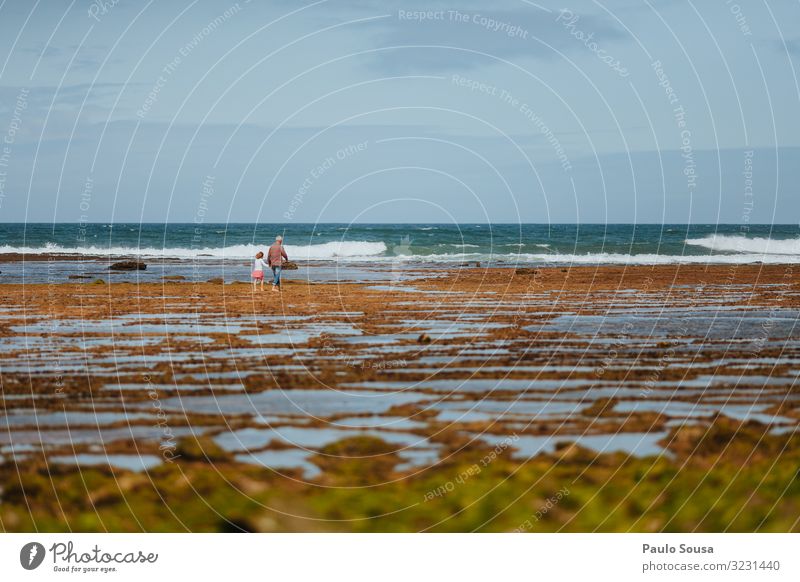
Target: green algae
724,477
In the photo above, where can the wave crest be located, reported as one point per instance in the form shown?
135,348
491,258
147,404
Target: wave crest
329,250
742,244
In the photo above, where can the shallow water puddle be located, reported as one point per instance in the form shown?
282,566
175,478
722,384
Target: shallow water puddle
115,327
306,437
726,325
636,444
136,463
302,334
685,410
487,385
377,422
319,403
99,435
47,418
468,411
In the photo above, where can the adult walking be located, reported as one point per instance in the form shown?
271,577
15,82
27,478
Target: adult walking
275,256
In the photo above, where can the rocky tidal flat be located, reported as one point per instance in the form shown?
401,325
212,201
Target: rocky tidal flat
642,398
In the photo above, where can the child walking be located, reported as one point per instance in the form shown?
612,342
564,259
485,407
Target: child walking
258,270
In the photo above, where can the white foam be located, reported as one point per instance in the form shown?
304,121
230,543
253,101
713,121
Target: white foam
592,259
330,250
374,252
741,244
651,259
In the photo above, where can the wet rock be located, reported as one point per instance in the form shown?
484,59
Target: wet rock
289,266
424,338
360,460
526,271
128,266
726,436
174,278
199,449
572,452
98,282
601,407
216,281
684,438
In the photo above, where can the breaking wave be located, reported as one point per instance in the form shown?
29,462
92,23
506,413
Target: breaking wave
741,244
329,250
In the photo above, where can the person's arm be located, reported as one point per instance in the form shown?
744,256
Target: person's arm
283,253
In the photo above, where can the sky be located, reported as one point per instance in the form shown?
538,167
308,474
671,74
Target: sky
651,111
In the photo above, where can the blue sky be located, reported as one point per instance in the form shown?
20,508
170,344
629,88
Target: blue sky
623,111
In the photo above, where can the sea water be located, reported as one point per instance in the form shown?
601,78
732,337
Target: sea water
379,251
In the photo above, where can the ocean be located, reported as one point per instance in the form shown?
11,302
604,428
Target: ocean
500,244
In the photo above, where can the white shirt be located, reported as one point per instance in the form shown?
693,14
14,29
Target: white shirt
260,265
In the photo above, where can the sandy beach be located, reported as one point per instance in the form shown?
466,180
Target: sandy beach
593,398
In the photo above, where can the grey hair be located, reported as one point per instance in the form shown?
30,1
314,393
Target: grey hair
279,237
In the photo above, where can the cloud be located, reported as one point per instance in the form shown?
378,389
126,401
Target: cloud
59,106
470,38
87,57
44,52
504,29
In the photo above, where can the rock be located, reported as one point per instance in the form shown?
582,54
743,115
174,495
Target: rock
199,448
216,281
98,282
79,277
174,278
526,271
128,266
567,451
601,407
424,339
363,460
289,266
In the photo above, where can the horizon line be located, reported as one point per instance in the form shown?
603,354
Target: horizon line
425,223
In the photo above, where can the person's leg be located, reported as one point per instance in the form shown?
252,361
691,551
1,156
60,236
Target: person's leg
277,270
